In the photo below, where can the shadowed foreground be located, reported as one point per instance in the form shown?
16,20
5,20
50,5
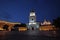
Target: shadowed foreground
28,35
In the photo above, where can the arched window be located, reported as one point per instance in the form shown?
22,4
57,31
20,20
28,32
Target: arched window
5,27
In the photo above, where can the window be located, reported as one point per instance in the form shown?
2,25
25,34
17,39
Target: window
32,14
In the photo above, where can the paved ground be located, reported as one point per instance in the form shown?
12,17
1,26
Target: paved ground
29,35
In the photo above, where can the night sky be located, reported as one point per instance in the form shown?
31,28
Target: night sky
18,10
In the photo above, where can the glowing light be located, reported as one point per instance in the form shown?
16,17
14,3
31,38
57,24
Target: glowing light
32,14
32,23
1,29
22,28
46,23
46,28
29,23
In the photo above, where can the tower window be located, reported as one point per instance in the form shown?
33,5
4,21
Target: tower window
32,14
32,19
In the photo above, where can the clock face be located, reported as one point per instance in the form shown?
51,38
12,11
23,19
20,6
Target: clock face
32,14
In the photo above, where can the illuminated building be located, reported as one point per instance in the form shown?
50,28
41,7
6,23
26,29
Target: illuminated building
10,25
46,26
32,25
22,28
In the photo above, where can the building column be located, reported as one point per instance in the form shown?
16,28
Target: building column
10,27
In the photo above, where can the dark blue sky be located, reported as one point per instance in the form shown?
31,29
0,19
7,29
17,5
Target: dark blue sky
18,10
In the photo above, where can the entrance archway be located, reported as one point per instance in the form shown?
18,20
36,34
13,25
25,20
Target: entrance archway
32,28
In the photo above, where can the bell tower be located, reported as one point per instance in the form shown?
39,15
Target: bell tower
32,25
32,20
32,16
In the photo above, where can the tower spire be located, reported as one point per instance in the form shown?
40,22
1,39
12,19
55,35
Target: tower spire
32,20
32,10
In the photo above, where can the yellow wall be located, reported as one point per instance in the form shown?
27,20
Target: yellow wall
22,28
47,28
10,25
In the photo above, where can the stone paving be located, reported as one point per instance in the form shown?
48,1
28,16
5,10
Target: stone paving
29,35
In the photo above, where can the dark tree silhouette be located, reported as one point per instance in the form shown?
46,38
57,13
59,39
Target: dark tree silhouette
16,27
5,27
23,25
56,22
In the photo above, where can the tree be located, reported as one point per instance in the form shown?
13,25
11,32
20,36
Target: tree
16,26
5,27
23,25
56,22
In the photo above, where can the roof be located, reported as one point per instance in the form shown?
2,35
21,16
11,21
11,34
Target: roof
46,22
9,22
32,10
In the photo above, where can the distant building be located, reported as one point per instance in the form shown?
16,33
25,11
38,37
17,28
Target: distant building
10,24
46,25
32,25
46,22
